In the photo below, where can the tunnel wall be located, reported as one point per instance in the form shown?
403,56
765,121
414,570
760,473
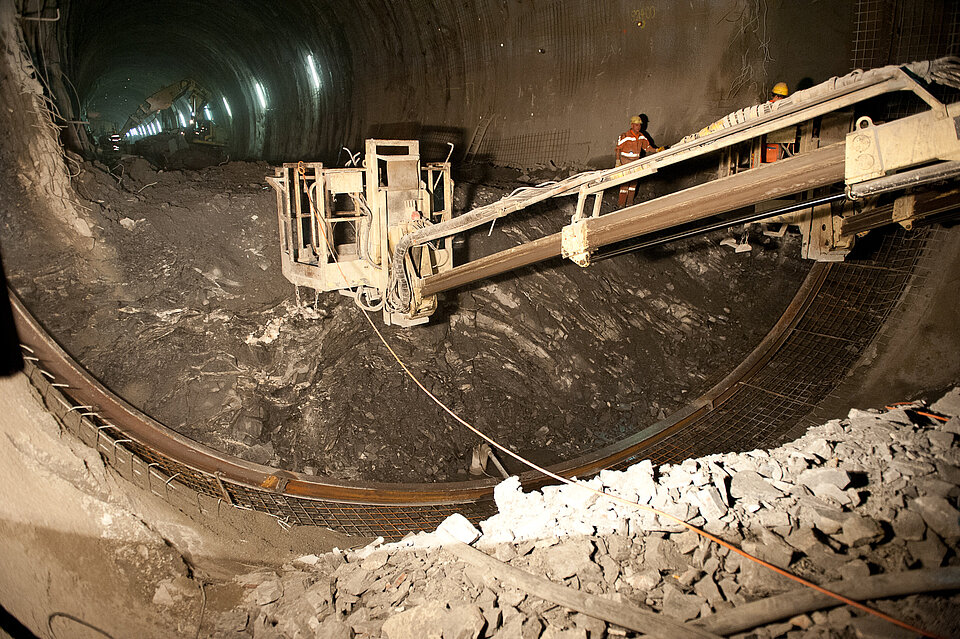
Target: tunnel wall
529,81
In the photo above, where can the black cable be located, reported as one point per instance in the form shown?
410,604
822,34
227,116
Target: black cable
78,620
753,217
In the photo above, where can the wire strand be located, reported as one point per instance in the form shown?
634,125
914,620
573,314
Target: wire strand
571,482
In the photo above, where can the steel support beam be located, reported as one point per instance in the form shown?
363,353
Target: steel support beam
811,170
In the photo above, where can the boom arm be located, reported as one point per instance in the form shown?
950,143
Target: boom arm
164,99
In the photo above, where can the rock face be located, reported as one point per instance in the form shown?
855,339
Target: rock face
852,498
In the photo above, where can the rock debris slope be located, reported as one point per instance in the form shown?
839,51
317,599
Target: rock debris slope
873,494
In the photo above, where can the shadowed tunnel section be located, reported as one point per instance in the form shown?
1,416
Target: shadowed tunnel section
527,82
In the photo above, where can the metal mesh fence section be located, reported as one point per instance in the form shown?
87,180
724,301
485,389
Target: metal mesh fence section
389,521
169,478
526,149
841,321
826,342
897,31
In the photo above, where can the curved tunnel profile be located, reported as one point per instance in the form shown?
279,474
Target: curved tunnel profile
531,82
539,87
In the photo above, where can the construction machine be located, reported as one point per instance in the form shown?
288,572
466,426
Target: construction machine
382,234
163,99
339,227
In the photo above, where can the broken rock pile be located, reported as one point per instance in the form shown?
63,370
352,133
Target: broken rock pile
873,494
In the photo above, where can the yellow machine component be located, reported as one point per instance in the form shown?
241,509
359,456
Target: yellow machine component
339,227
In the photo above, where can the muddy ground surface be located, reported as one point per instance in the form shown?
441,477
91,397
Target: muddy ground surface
180,307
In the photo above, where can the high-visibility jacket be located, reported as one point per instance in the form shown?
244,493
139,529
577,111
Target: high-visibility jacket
630,146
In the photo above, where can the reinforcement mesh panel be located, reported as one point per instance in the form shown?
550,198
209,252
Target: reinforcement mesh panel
826,342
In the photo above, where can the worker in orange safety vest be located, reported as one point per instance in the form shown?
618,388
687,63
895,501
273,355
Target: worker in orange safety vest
631,146
774,151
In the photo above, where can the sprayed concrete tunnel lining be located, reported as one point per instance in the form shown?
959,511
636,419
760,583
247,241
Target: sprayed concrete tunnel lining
354,103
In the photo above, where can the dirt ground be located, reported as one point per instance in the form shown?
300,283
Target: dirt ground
178,304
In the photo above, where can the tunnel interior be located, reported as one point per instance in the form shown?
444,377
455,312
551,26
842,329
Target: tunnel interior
514,93
154,262
544,81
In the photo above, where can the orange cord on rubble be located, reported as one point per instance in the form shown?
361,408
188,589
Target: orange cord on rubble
571,482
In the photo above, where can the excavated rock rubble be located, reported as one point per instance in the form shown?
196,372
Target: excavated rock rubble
873,494
183,311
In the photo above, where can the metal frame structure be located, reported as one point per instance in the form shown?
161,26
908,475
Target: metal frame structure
338,227
926,146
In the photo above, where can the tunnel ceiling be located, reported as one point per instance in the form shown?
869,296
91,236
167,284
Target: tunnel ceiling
531,82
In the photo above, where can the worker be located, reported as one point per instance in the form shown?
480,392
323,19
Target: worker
631,146
778,92
776,150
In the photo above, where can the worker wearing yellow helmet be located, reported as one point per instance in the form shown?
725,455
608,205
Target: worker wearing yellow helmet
631,146
779,92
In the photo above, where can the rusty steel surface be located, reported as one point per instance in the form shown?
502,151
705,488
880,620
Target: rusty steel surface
832,319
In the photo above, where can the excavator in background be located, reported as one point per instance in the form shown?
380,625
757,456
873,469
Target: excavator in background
382,234
198,129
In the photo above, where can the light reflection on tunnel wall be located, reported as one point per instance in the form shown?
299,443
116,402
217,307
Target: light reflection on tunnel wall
553,81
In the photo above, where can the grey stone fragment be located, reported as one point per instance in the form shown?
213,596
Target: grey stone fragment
356,582
855,570
610,567
686,542
749,484
778,629
760,580
821,448
505,552
595,627
948,472
689,576
908,525
931,485
249,425
375,561
492,616
912,468
334,629
817,478
517,626
729,587
938,514
952,426
839,617
431,619
949,404
771,548
663,554
773,518
859,530
804,539
232,621
711,503
268,592
941,439
680,606
569,558
707,589
644,580
619,547
929,552
825,518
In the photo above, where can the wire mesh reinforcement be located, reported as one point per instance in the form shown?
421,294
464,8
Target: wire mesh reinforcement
844,318
841,320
